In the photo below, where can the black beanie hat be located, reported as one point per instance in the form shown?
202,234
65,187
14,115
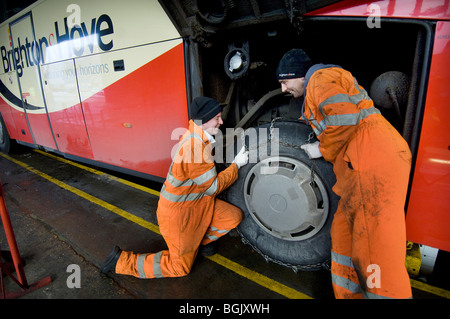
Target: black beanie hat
204,108
294,64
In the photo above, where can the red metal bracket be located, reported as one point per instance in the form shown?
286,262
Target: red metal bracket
6,267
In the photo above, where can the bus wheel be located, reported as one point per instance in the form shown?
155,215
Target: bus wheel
5,142
288,209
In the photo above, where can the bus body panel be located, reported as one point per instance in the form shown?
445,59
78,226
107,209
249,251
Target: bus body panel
95,80
130,122
64,108
429,9
428,216
28,79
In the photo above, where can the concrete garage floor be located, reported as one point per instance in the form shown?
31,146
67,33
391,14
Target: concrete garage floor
66,215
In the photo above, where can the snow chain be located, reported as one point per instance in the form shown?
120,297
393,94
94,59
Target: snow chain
319,266
323,265
310,137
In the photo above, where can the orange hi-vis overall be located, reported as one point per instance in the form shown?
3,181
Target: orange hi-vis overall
372,163
188,213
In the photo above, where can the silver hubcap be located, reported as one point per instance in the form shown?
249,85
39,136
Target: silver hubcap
281,198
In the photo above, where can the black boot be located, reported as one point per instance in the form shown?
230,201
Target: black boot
111,261
209,250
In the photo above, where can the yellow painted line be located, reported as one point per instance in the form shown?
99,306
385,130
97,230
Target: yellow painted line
258,278
430,289
97,172
235,267
95,200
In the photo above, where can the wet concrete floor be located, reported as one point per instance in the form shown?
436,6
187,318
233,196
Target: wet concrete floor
64,215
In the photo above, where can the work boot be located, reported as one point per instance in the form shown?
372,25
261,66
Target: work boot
209,249
111,261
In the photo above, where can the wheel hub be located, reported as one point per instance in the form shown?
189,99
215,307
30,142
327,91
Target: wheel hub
281,198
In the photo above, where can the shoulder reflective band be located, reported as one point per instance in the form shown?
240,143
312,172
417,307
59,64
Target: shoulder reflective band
188,182
343,119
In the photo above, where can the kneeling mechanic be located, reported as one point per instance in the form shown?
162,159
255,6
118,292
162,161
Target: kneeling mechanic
190,217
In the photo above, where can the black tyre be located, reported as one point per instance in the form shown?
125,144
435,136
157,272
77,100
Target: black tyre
5,141
287,212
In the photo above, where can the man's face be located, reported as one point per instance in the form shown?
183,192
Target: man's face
296,86
212,126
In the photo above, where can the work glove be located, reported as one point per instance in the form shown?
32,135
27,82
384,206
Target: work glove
312,149
241,158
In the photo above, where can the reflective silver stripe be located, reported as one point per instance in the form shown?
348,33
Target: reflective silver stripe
140,265
220,231
341,259
345,283
188,182
345,119
177,183
344,98
212,237
157,265
314,123
180,198
341,281
223,231
350,119
369,295
212,189
205,176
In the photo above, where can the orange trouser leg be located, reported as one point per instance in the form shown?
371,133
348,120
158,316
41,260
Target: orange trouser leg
183,231
368,262
343,273
368,233
225,218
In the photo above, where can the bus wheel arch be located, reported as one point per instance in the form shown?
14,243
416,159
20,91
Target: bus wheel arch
5,141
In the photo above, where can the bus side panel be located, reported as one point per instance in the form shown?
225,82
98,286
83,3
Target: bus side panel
64,108
70,132
28,78
418,9
11,107
428,216
131,121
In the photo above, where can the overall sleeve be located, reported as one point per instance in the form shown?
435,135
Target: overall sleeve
202,171
334,105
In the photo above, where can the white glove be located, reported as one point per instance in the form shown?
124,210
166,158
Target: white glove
312,150
241,158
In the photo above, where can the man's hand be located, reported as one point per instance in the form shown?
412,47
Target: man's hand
241,158
312,150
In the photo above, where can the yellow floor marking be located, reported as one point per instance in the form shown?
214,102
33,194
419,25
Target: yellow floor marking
235,267
94,171
95,200
258,278
430,289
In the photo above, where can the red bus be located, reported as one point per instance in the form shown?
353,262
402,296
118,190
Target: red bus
107,82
